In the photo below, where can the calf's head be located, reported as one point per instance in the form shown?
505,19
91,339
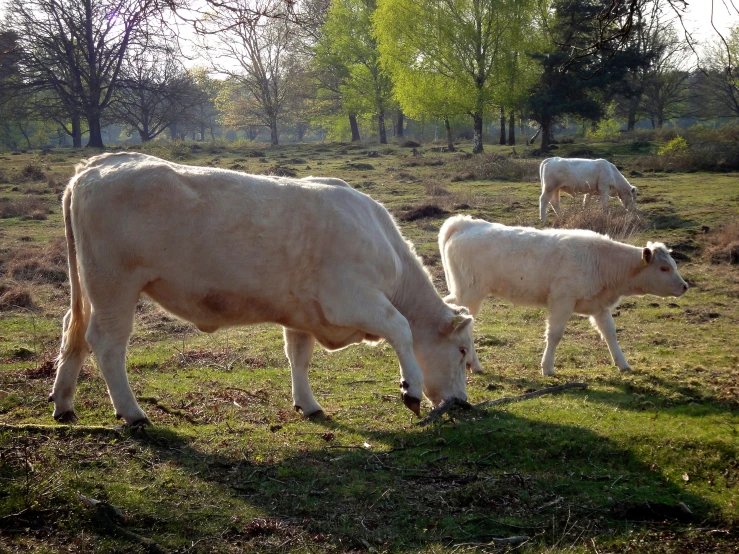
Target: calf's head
659,275
444,351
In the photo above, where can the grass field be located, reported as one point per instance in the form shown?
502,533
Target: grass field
640,462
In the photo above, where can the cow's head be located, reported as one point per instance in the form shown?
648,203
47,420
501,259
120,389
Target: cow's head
444,351
628,197
659,275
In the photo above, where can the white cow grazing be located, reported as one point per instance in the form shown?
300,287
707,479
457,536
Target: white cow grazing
580,176
564,271
221,248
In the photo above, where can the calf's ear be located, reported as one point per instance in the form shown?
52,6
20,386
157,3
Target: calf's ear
455,323
646,255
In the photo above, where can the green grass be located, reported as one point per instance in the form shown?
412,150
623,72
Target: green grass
230,467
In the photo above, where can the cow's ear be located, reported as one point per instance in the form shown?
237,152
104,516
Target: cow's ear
455,323
646,255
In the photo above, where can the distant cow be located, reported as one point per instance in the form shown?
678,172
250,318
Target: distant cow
564,271
220,248
579,176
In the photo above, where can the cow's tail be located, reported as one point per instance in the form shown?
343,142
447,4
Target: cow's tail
451,226
74,344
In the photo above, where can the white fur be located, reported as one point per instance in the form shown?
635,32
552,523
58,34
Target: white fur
565,271
580,176
220,248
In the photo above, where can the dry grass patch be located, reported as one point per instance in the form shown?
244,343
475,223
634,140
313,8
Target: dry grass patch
30,207
723,244
14,296
499,168
46,266
615,222
422,211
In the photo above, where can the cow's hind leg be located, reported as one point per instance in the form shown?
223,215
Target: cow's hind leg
108,333
74,351
559,313
607,328
299,350
544,199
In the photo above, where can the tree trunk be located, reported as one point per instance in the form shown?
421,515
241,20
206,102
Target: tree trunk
546,134
381,123
502,126
274,136
355,127
202,132
477,138
401,122
173,130
76,131
449,141
511,129
96,134
633,107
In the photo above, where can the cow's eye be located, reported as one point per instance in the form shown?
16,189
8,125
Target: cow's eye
463,351
664,268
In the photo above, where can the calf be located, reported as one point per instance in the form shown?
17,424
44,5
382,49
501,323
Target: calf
220,248
565,271
579,176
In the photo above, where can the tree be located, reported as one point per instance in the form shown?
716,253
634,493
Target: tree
257,52
721,82
153,92
76,49
458,42
366,87
577,85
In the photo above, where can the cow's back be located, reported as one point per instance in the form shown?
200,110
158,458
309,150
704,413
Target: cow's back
219,247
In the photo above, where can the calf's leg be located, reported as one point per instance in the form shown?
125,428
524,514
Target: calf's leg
299,351
603,321
544,199
557,318
554,201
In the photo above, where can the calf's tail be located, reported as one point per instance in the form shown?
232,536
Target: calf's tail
451,226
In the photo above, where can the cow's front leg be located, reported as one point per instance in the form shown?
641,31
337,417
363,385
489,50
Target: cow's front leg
299,351
607,328
544,199
559,313
554,201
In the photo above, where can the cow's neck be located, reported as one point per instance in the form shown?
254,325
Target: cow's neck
417,298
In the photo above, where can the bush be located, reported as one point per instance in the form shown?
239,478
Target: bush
676,146
13,296
607,130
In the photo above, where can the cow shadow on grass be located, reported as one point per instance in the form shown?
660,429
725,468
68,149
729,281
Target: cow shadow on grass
481,476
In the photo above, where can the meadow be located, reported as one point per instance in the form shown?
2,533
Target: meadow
646,461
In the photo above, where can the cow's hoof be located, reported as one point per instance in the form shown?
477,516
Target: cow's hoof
138,424
626,369
413,404
318,415
66,417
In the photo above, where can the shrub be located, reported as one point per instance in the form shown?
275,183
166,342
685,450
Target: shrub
678,146
607,130
178,150
31,172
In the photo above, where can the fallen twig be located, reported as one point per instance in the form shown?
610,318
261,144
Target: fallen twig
529,395
446,405
449,404
59,428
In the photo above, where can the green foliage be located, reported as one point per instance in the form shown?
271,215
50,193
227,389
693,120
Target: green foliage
606,130
678,145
